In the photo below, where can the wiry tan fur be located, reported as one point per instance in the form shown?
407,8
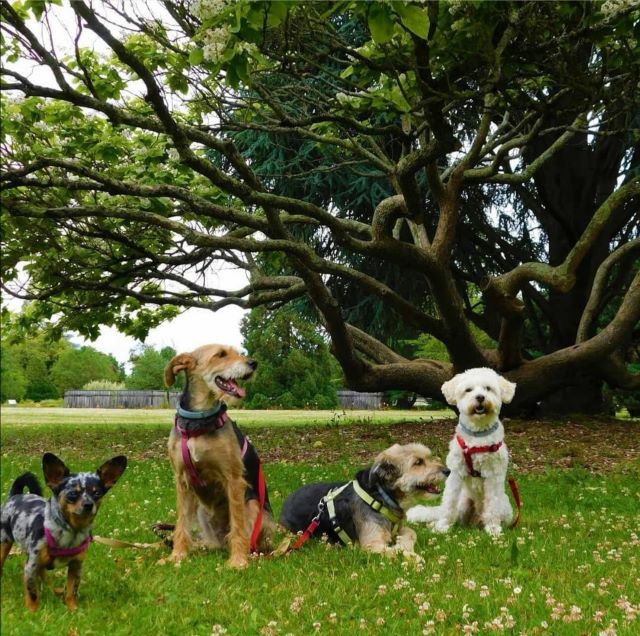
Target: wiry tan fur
220,509
405,469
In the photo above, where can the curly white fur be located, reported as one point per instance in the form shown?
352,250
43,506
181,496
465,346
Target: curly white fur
479,395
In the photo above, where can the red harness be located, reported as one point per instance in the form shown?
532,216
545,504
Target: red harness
469,451
196,480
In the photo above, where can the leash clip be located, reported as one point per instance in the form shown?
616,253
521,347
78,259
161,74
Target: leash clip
321,507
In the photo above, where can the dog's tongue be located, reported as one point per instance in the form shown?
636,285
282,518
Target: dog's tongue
236,389
231,386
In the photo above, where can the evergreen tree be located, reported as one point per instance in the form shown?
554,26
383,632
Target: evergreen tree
295,367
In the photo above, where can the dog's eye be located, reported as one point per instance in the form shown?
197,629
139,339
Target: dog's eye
418,462
467,390
222,354
488,388
71,496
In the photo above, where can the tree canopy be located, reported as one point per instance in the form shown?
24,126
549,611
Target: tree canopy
147,369
466,171
39,367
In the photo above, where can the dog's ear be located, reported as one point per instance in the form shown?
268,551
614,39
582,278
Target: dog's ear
178,363
384,472
449,390
54,469
507,390
112,470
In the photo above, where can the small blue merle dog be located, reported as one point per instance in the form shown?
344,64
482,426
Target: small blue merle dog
55,532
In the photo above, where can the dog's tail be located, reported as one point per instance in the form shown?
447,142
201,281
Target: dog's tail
30,481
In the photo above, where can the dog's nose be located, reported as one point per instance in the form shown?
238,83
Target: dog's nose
253,364
446,472
480,397
87,506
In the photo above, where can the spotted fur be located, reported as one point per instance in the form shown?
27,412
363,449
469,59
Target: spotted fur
68,515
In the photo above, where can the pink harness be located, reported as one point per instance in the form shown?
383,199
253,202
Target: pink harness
57,552
185,436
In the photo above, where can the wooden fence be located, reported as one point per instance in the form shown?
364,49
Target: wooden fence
356,400
104,399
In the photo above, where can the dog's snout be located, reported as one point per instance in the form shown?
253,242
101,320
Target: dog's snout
480,397
87,506
446,472
253,364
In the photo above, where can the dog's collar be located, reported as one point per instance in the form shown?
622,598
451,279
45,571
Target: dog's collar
201,415
468,431
55,514
390,502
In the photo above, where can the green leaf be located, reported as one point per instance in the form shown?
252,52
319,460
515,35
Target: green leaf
196,56
347,72
415,18
37,7
380,23
277,12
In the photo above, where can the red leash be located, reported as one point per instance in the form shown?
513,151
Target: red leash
262,493
516,497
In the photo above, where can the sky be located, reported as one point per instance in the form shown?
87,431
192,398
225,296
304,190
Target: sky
191,329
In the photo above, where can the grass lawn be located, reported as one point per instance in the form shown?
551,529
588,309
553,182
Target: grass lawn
571,567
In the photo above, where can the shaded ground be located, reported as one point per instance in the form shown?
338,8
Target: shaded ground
595,444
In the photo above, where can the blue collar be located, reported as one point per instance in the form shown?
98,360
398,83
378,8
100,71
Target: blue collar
388,500
201,415
471,433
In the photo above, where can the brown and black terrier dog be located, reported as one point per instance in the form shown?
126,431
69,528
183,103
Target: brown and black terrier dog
370,509
217,470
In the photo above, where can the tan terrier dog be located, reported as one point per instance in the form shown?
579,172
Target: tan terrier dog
218,477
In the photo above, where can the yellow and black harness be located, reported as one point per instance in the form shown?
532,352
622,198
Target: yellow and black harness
328,502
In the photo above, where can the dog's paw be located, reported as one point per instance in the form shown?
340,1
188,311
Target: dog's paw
419,514
441,526
493,529
238,562
410,555
71,604
177,557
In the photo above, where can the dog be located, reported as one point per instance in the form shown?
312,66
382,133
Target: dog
370,509
478,458
55,532
218,477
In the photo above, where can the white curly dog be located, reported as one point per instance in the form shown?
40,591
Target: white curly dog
474,493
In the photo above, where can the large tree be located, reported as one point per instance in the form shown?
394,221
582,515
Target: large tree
502,138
